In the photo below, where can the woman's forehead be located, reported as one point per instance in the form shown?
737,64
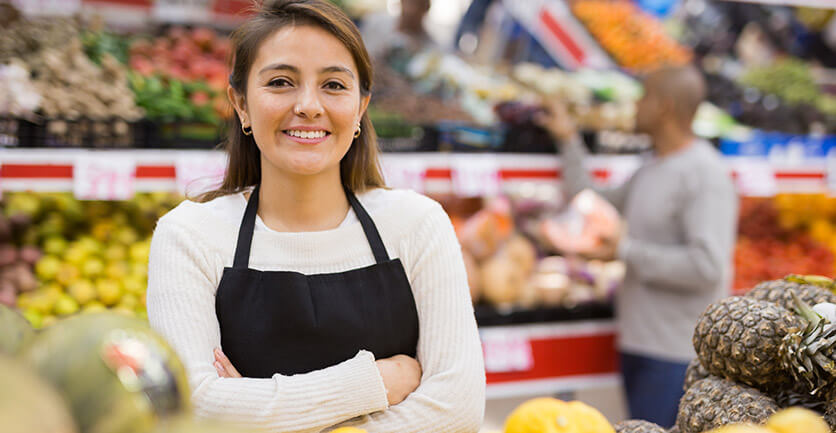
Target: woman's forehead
307,48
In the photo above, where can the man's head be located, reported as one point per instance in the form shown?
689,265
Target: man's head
412,14
671,98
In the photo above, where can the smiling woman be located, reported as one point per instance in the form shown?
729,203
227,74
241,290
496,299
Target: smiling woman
296,293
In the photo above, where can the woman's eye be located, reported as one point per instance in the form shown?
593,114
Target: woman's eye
333,85
278,82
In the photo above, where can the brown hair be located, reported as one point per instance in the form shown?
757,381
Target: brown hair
360,167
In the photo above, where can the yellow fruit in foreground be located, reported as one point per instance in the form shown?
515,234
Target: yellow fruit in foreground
348,430
741,428
797,420
34,317
550,415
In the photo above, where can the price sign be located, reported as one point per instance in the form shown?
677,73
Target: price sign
475,175
200,173
182,10
104,177
506,352
756,178
406,173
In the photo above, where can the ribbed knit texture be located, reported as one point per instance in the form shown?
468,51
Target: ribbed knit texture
194,242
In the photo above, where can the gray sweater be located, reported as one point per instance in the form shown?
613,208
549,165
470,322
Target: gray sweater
681,214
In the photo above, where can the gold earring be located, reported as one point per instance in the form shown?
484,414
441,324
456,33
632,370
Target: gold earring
247,130
357,134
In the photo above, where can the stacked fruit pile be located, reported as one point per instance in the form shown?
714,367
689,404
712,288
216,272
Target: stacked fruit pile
790,233
761,352
636,40
182,75
90,256
505,269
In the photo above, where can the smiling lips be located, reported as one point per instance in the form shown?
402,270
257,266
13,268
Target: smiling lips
307,136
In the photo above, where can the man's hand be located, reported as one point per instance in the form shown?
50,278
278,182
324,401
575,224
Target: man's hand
556,120
608,249
224,366
401,376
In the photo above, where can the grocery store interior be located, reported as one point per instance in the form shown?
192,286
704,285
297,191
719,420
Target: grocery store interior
711,269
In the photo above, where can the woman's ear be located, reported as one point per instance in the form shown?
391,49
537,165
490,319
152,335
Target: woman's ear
364,104
239,103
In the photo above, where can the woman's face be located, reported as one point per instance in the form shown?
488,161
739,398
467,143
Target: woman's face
303,101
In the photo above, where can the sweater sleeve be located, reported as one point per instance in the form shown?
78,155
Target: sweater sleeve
451,396
181,307
709,225
576,178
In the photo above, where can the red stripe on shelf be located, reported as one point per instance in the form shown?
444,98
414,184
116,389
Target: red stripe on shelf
797,175
567,356
232,7
565,39
438,173
156,171
35,171
528,174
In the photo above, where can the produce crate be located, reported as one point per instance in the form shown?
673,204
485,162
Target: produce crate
489,315
15,132
83,133
182,135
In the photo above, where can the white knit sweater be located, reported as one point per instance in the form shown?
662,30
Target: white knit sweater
194,242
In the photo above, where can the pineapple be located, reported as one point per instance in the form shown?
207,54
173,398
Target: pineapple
778,292
638,426
694,373
738,338
714,402
830,415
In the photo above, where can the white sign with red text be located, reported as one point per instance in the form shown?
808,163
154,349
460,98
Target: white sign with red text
103,176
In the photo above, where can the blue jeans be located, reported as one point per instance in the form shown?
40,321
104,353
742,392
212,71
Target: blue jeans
654,388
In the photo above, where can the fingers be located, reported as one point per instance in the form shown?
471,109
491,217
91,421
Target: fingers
223,365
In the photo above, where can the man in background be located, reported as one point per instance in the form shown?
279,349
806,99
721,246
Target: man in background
383,33
680,213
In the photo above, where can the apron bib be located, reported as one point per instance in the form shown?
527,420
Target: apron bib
291,323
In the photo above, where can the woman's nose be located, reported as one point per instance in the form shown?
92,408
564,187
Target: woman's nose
308,104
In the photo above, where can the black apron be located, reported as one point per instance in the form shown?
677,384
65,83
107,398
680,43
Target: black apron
290,323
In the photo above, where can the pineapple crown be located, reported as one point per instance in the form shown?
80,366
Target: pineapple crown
805,351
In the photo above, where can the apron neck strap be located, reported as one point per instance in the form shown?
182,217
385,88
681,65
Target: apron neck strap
245,233
372,235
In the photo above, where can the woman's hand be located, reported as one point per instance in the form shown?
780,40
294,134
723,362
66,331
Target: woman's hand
401,376
224,366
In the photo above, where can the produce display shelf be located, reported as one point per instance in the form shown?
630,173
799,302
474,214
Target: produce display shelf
459,173
533,359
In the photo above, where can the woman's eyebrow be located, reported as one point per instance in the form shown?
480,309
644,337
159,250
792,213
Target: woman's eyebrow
342,69
279,67
295,70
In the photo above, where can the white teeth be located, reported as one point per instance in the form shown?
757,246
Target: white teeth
306,134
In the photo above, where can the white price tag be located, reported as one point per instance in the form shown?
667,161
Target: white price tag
48,7
201,173
756,178
476,175
104,177
406,173
506,352
182,10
